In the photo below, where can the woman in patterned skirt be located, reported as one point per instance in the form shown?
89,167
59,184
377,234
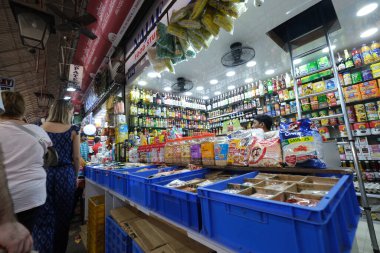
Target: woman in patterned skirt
52,228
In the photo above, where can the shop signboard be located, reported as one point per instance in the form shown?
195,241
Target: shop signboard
146,35
90,98
76,74
110,15
7,83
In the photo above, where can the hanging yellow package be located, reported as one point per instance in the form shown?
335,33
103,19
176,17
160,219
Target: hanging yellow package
176,30
224,22
208,22
198,8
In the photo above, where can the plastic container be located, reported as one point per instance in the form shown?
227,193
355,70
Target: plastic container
95,226
117,240
136,248
119,178
246,224
139,185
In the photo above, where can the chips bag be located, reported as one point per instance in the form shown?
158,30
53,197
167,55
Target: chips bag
301,145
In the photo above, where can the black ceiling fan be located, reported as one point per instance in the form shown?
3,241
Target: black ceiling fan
75,23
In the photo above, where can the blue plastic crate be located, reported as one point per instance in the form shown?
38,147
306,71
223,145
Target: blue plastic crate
140,184
256,225
136,248
118,182
117,240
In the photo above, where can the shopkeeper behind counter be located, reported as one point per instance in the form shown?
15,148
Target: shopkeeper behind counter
263,121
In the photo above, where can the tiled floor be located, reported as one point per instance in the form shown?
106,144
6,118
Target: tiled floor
363,242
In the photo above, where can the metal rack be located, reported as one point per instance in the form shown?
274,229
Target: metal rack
351,141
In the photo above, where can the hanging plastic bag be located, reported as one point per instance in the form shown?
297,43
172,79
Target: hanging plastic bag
190,24
159,65
181,13
186,48
176,30
233,10
198,8
208,22
165,40
206,36
301,145
224,22
266,152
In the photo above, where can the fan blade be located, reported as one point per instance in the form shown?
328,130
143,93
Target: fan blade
87,33
64,27
57,11
84,20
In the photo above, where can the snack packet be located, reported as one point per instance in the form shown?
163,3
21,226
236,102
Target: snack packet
301,145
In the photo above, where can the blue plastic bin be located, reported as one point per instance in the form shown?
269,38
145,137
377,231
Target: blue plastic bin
118,181
136,248
248,224
177,205
140,185
117,240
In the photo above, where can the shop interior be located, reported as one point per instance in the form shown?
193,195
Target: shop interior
183,74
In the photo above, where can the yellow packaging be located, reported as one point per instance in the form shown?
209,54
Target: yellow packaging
307,89
208,22
208,155
370,93
376,73
352,88
352,96
319,86
368,85
375,67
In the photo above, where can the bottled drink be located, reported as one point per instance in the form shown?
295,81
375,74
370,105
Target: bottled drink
261,89
270,87
340,63
348,62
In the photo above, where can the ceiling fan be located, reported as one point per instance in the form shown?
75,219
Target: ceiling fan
77,23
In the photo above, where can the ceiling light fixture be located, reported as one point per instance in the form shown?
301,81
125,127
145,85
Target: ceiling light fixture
366,9
369,32
200,88
67,98
297,61
153,74
269,72
205,97
230,73
326,49
251,64
248,80
216,93
213,81
71,89
35,25
167,88
231,87
142,83
188,93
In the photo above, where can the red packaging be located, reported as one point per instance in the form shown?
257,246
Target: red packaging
351,114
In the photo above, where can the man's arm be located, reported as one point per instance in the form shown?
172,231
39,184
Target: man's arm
14,237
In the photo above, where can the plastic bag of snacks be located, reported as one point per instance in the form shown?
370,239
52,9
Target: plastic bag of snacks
195,150
208,22
185,151
133,155
207,149
301,145
198,8
266,152
240,141
221,151
169,151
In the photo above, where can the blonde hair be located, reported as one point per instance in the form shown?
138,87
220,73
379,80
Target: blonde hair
59,112
14,104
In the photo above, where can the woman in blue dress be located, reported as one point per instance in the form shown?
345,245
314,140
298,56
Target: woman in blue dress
52,227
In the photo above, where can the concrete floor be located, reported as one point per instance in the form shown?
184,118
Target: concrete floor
363,241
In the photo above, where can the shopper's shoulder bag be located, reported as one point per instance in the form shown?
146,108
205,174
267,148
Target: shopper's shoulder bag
51,156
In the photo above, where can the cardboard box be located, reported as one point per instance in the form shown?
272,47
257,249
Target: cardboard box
155,236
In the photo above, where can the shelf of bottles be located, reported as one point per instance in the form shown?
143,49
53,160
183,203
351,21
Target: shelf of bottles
274,97
163,110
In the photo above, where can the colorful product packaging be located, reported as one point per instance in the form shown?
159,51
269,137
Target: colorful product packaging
375,127
356,77
347,78
319,86
367,74
361,129
314,102
307,89
305,104
368,85
373,93
323,62
351,114
322,101
371,110
323,113
331,99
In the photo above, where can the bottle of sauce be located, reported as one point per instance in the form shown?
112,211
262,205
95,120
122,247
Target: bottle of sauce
356,57
348,62
375,49
340,63
366,54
